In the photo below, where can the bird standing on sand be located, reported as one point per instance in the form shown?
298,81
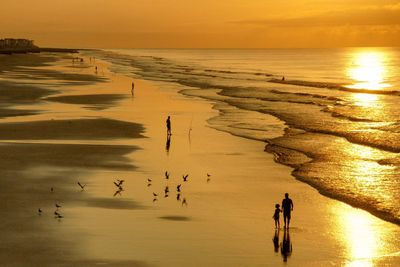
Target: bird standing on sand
82,186
208,177
154,194
58,215
167,175
178,188
40,211
58,206
185,177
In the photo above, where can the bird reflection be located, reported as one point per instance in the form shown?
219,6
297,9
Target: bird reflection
184,202
286,245
178,197
118,192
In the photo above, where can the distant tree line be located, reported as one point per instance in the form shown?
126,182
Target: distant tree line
10,43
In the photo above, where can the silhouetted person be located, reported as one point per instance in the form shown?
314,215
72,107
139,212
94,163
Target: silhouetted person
275,240
286,245
283,78
168,125
276,216
133,88
95,68
287,207
168,143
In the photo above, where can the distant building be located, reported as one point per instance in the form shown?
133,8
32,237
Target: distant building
16,44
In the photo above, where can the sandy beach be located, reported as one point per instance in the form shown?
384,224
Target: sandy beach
63,123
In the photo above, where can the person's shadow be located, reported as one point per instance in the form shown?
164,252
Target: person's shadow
286,245
168,143
275,240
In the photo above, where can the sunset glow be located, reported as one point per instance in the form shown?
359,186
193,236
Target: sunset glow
368,71
203,24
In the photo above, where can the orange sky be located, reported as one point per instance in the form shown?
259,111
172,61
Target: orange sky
202,23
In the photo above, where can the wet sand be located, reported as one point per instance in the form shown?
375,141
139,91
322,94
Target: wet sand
226,220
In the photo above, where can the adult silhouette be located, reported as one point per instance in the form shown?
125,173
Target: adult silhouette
287,207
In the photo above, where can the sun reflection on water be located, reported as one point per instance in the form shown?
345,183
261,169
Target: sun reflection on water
368,71
361,238
362,235
365,100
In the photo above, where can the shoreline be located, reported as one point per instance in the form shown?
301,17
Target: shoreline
227,219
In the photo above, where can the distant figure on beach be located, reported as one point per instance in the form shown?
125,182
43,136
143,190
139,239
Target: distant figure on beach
286,245
168,125
276,216
95,68
283,78
287,207
133,88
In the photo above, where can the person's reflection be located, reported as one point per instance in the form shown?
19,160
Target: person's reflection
286,245
168,143
275,240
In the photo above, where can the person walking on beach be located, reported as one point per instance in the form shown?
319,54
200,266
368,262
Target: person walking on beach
287,207
133,88
168,125
276,216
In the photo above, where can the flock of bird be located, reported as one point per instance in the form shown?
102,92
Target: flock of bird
119,185
178,188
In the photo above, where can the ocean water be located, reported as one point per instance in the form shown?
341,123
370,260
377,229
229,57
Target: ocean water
331,114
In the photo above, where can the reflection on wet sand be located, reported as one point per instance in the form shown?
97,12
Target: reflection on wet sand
275,240
286,245
168,144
